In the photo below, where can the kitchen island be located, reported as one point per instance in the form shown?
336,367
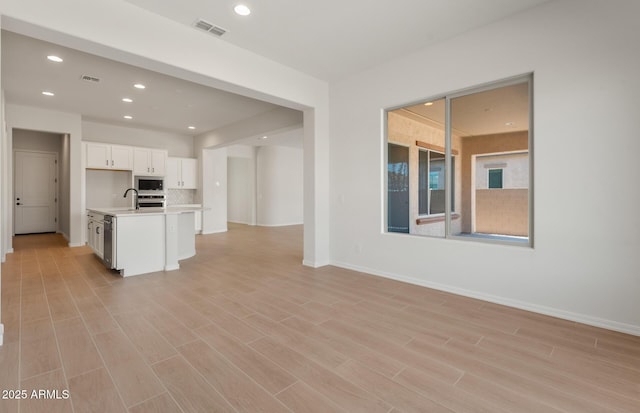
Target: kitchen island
140,241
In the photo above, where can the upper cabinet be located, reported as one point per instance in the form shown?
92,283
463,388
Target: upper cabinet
150,162
142,161
104,156
181,173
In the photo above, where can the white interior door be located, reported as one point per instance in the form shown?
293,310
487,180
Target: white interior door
35,185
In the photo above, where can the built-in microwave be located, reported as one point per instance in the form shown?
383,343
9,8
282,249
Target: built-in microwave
149,184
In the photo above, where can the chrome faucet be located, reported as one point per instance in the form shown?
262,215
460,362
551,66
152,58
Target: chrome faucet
136,192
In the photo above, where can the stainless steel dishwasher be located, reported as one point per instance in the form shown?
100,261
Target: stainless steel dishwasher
109,256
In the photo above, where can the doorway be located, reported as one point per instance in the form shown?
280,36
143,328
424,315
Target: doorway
35,192
240,190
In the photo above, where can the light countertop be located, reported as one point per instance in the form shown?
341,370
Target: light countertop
127,212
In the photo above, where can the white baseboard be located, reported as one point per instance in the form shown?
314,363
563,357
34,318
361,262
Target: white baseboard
4,256
76,244
316,264
63,235
218,231
239,222
172,267
553,312
280,225
1,334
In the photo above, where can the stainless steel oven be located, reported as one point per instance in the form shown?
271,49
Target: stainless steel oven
152,200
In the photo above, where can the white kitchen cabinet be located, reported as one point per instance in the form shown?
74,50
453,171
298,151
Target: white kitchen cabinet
105,156
198,222
197,215
95,233
90,231
99,240
182,173
149,162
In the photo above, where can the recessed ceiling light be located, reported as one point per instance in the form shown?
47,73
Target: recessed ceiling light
139,86
48,93
128,117
242,10
54,58
509,124
192,127
265,137
429,104
128,100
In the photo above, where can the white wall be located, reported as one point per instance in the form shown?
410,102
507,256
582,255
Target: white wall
65,187
265,184
37,141
214,196
104,189
585,264
264,123
177,144
250,153
240,183
280,185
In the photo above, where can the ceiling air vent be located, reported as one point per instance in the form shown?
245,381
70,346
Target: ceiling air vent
209,27
91,79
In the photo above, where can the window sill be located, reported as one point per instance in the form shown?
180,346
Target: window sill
433,219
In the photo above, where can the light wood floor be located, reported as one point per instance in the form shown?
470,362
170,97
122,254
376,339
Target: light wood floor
243,327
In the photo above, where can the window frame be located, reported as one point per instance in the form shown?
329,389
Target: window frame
429,214
450,191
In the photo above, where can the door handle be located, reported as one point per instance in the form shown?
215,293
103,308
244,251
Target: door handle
18,203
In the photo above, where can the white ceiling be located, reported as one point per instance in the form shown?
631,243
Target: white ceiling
330,39
327,39
167,104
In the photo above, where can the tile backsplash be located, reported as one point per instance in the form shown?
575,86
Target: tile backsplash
180,196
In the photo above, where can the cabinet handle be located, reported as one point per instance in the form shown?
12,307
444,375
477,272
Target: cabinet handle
153,170
98,230
182,183
112,162
107,161
148,170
